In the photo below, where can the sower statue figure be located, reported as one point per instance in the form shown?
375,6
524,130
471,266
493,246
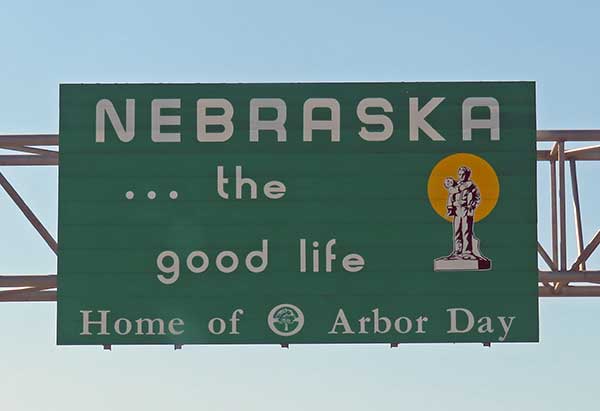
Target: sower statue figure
463,199
465,204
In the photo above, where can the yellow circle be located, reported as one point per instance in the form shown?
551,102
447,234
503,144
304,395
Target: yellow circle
482,175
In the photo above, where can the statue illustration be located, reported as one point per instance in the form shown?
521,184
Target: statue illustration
463,199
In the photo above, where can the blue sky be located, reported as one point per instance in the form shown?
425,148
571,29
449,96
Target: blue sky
45,43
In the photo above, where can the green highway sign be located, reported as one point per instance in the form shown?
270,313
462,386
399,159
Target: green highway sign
297,213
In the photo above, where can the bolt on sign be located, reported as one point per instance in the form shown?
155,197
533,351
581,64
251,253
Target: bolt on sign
297,213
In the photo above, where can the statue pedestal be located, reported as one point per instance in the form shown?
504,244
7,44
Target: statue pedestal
458,264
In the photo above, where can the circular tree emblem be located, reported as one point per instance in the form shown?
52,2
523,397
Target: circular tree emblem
286,320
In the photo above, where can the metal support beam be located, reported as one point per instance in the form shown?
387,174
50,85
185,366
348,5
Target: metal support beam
546,257
28,296
28,287
562,206
41,281
17,140
570,276
587,251
570,291
579,154
577,211
35,222
554,212
36,160
574,276
33,150
577,281
568,135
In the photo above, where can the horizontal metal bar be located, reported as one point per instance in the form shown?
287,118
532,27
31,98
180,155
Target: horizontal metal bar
568,135
31,296
543,155
542,135
35,160
577,291
32,150
568,291
22,291
591,153
45,281
29,140
570,276
580,291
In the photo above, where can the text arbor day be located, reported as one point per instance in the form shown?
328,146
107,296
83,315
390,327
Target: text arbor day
339,324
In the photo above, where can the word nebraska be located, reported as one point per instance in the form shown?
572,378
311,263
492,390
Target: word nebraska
369,111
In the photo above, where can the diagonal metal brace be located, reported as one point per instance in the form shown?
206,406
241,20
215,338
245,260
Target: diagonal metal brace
587,251
35,222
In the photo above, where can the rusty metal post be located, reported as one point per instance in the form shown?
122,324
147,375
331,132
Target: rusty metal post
577,211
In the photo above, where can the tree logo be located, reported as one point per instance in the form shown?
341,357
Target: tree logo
286,320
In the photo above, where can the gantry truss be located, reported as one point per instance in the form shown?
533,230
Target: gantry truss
557,277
